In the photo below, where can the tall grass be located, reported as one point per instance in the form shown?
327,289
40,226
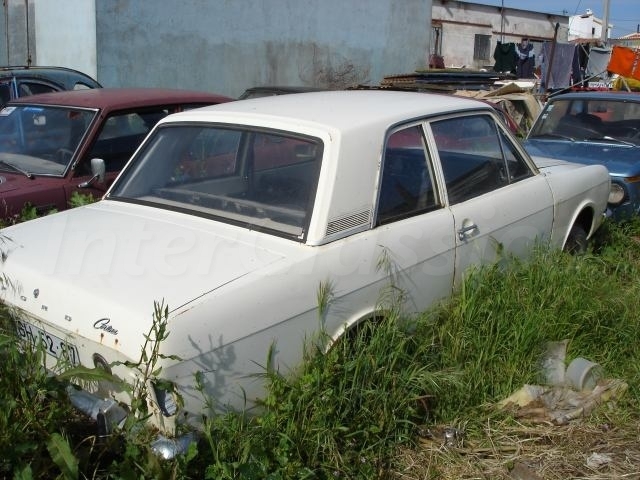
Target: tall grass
341,417
32,406
496,330
350,409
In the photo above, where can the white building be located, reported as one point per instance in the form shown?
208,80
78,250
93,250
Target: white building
467,33
586,26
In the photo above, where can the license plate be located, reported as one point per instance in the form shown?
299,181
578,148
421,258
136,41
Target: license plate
54,346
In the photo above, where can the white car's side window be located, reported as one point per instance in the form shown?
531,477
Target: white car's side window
471,154
406,187
517,168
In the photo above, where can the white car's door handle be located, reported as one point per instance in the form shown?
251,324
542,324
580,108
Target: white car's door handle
466,230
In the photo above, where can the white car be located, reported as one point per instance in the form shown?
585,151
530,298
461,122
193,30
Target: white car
236,216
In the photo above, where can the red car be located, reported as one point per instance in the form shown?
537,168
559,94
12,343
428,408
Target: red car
49,143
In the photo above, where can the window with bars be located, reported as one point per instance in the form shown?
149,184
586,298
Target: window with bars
436,39
481,47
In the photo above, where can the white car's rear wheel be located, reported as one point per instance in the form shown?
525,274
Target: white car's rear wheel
577,241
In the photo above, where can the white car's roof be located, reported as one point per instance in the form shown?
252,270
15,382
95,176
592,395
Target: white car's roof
340,110
352,125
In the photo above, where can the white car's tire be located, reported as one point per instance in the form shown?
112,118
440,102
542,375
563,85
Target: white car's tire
577,241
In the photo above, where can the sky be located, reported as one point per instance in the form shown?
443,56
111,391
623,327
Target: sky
624,15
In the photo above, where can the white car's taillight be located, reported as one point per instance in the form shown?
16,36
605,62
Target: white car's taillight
166,399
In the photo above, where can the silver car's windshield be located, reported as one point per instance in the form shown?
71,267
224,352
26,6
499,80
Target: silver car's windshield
590,119
261,179
41,140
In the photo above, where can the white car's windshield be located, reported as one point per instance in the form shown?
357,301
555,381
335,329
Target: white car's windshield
261,179
589,119
41,140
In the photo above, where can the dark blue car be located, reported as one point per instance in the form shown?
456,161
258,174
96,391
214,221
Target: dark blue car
595,127
21,81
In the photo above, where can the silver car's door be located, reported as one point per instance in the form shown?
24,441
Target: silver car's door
501,206
413,227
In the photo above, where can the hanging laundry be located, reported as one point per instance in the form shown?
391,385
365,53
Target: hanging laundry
599,58
436,61
525,59
505,57
563,65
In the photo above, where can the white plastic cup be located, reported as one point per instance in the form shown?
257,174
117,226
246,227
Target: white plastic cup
583,374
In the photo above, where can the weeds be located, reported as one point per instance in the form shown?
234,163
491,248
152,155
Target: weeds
30,212
342,417
33,406
147,367
78,199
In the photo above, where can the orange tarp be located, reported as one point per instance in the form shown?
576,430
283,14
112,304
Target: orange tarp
625,61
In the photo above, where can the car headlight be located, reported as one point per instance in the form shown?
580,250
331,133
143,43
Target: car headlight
617,194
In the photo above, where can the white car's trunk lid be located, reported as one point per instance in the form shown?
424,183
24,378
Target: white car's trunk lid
98,272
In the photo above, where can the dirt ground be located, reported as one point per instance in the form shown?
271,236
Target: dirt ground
597,450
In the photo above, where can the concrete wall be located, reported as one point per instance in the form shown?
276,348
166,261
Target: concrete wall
224,46
17,44
227,46
66,34
44,32
461,21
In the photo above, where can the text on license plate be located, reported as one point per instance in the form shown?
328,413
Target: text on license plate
53,345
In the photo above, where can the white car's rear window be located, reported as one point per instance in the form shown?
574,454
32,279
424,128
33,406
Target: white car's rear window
257,178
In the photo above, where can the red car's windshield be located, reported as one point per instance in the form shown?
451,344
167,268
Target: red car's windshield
41,140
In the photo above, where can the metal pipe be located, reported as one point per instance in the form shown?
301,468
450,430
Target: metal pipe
604,34
502,22
26,6
6,28
551,55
